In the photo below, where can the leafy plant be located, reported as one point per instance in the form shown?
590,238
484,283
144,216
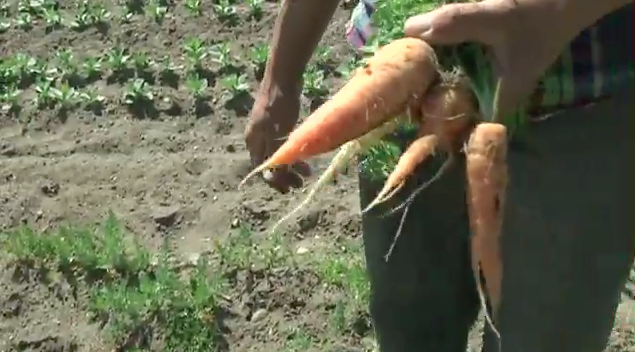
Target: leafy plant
197,86
52,18
92,67
194,7
44,94
10,99
195,52
138,92
221,55
24,21
235,85
92,99
65,95
226,11
118,59
314,85
157,10
255,8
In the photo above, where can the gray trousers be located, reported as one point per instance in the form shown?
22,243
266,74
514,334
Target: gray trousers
567,244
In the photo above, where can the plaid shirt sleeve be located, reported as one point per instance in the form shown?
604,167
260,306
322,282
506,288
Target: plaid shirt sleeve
597,63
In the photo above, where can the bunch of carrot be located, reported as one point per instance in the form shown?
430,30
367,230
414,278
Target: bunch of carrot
404,77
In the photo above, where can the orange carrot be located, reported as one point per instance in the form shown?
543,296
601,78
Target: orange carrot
414,155
448,112
487,179
398,72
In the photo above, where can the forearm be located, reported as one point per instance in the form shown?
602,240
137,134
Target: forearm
298,29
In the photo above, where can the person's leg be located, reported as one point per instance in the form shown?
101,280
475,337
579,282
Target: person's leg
423,298
568,233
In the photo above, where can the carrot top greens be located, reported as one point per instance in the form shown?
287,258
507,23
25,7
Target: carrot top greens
470,59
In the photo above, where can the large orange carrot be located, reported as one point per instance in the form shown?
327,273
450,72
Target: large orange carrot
487,179
398,73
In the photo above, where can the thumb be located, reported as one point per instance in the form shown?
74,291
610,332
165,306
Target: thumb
454,24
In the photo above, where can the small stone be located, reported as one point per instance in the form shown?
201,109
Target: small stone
301,250
166,216
235,223
259,315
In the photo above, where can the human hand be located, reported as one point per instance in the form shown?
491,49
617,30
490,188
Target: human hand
271,120
524,37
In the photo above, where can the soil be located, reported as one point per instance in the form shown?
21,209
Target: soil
172,175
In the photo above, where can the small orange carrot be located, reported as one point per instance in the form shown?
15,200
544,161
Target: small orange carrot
448,112
398,72
487,179
414,155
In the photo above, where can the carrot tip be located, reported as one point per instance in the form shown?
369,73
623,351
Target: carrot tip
250,175
383,196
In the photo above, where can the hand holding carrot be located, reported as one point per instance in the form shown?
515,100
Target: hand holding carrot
525,36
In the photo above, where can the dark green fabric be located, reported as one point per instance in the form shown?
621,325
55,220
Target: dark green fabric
567,244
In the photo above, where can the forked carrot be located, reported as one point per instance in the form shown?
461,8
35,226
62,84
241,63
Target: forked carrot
487,178
398,73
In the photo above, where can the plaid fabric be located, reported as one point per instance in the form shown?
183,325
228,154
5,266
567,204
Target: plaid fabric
597,64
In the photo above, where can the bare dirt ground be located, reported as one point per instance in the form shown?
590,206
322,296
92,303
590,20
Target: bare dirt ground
171,176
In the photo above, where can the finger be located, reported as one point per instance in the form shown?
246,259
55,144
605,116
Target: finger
454,24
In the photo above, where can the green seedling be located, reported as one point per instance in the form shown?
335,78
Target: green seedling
225,11
10,99
166,65
65,95
221,55
92,67
133,6
141,62
44,94
52,18
117,59
92,99
67,64
97,13
5,8
194,7
197,86
196,52
157,11
5,24
255,8
235,85
259,54
314,85
138,92
24,21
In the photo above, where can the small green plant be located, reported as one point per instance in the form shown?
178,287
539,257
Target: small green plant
259,55
197,86
92,67
10,99
44,94
92,99
5,24
141,62
52,18
314,85
194,7
68,65
226,11
24,21
156,10
138,93
255,8
65,95
235,85
195,51
221,55
117,60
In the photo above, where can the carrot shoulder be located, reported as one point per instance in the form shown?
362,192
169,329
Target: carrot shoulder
398,72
